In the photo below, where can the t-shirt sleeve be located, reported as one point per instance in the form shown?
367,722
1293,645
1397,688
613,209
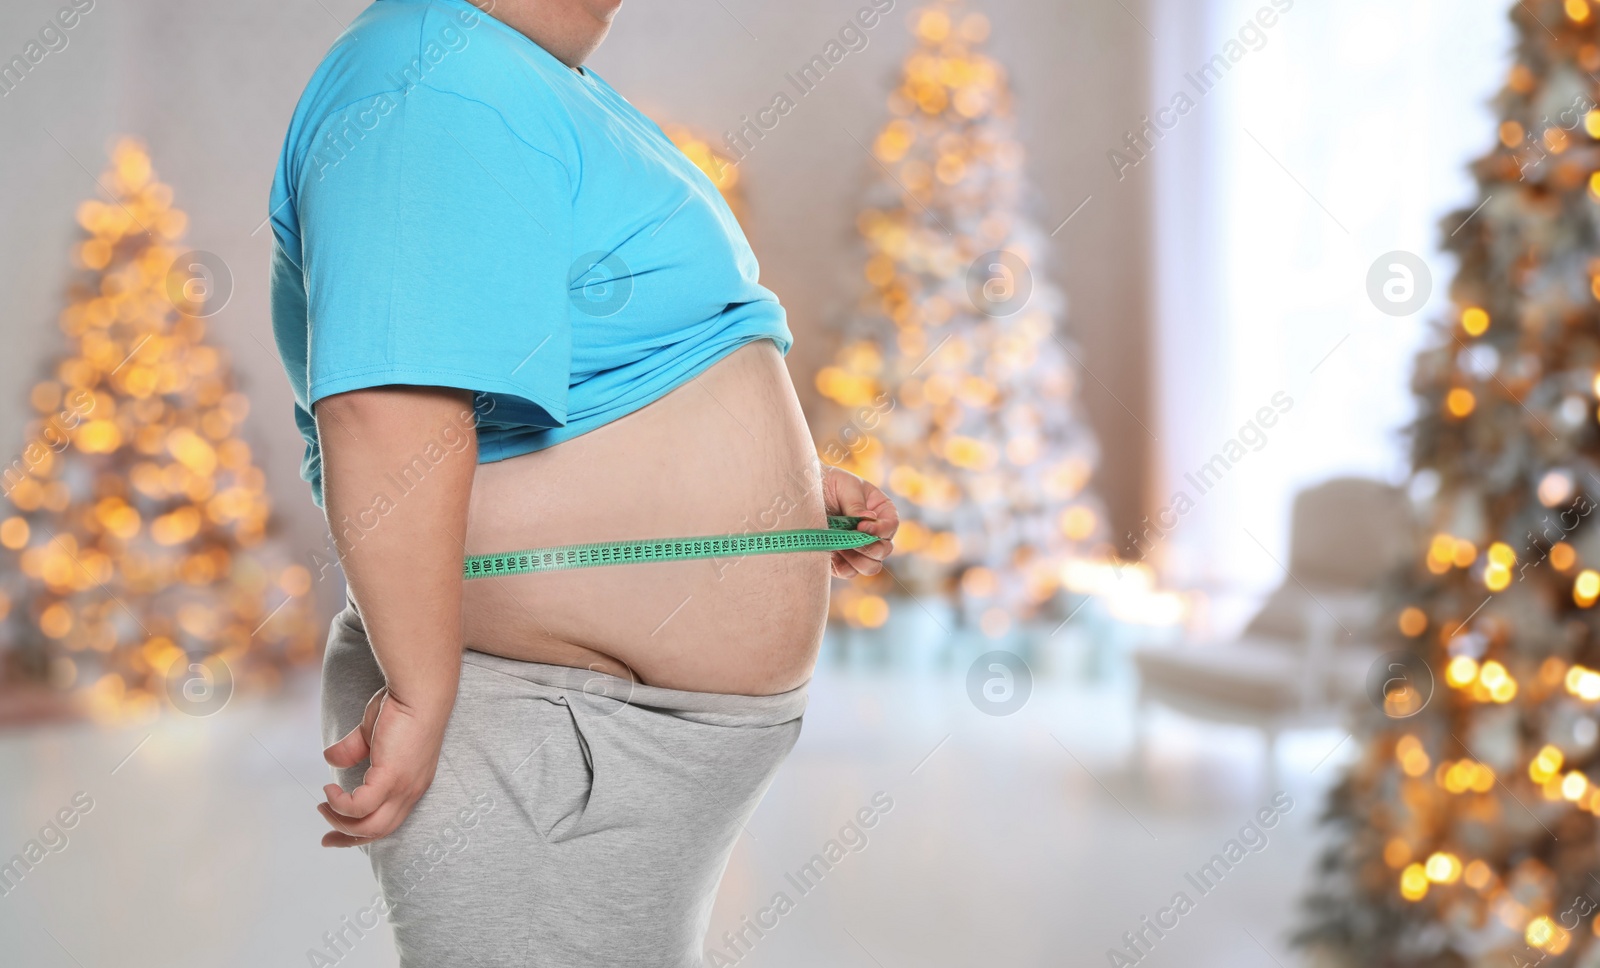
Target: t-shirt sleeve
436,247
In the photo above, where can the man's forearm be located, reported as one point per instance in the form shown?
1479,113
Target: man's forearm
404,572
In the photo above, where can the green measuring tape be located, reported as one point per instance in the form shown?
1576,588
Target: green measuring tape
841,533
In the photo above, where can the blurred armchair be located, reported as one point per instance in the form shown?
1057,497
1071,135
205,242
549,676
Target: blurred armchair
1304,656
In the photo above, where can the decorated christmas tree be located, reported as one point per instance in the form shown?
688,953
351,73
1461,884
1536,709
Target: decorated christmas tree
1466,833
138,524
956,390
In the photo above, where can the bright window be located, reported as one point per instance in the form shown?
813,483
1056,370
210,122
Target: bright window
1339,133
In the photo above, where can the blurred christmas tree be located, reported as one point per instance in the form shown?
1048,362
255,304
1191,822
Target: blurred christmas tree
958,393
135,498
1466,834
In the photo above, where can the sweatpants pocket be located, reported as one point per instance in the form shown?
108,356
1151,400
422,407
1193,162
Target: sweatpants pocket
655,775
552,784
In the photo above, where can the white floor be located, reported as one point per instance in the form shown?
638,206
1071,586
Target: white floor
1019,841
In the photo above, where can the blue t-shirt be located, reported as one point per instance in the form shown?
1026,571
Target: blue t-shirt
456,207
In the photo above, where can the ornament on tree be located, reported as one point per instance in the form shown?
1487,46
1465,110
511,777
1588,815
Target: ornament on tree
139,522
1468,834
959,395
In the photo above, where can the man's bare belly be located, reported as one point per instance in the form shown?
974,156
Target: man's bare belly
726,452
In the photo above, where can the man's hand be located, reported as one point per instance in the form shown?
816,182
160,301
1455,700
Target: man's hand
845,493
404,746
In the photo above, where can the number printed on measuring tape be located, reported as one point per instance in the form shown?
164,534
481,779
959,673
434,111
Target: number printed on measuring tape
840,534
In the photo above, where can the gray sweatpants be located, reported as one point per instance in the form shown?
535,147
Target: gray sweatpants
575,819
